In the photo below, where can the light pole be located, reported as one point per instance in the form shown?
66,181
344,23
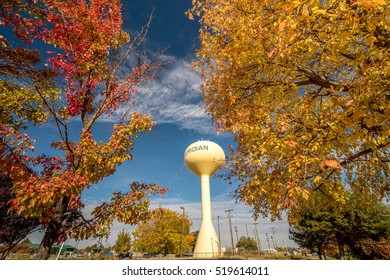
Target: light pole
212,245
236,230
182,232
219,233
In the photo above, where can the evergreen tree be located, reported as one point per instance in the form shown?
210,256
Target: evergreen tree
360,229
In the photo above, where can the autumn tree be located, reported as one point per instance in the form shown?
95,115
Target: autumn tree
304,88
20,105
14,228
162,233
81,79
123,242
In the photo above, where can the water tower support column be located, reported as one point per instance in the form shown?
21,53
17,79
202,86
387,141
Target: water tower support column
207,243
206,201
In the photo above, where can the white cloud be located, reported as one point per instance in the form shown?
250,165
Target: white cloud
174,98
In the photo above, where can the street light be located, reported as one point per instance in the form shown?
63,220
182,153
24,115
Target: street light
182,232
219,233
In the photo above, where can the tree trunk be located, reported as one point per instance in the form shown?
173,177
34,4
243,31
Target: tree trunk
51,234
319,254
54,230
340,245
4,254
7,250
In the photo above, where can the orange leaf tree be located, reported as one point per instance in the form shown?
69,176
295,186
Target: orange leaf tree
89,47
304,88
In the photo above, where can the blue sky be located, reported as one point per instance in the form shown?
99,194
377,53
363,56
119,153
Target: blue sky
174,101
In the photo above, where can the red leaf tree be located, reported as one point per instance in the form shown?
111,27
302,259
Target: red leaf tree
85,81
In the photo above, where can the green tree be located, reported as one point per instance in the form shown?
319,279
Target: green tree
162,233
304,88
247,244
359,230
123,242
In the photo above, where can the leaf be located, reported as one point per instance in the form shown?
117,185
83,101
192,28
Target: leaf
366,4
380,2
317,179
349,102
305,194
291,143
282,25
330,163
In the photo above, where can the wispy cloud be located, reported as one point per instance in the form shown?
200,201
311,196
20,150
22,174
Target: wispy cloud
174,98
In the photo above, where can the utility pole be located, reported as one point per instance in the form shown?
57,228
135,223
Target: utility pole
247,234
273,232
235,229
230,225
285,245
269,246
257,237
273,241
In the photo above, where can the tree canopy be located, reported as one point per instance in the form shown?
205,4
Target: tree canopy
123,242
166,232
247,244
304,88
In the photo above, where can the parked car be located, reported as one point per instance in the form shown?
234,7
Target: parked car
188,254
127,255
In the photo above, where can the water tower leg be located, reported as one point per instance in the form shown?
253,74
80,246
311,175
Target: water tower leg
207,243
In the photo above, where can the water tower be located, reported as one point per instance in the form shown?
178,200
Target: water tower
204,158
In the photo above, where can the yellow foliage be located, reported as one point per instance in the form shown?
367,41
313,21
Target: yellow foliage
304,86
